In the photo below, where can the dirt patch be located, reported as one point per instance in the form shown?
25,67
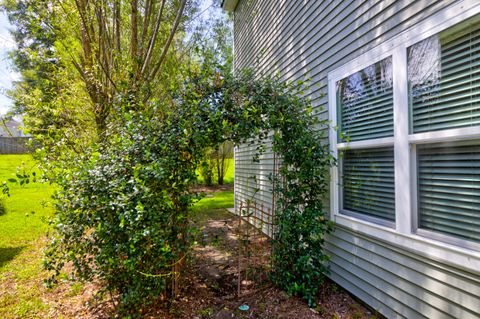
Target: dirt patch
212,189
210,289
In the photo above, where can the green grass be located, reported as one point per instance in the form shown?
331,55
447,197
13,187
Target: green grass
227,179
22,294
26,208
213,206
22,226
215,200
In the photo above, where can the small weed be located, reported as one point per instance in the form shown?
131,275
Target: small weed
262,306
207,312
321,310
334,287
216,241
357,315
75,289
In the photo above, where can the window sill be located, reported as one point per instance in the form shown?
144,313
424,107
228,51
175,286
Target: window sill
456,256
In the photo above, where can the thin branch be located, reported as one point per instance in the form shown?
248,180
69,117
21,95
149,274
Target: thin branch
146,22
153,39
169,40
86,38
116,9
134,29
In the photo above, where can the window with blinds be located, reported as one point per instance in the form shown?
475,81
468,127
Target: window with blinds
365,103
444,91
444,80
438,173
365,112
368,182
449,188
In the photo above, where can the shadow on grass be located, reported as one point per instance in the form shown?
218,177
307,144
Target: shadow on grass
9,253
3,207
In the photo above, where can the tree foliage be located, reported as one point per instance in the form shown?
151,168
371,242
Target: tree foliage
123,213
78,58
125,105
221,159
216,164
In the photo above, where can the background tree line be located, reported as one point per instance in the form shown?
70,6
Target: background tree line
216,164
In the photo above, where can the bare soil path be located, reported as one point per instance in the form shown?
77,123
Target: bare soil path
210,289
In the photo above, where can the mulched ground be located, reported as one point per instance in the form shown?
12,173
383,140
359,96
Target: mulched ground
213,189
210,285
210,289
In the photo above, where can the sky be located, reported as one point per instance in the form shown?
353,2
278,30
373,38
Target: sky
7,74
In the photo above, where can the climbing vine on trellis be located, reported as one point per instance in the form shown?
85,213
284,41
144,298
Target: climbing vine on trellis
123,207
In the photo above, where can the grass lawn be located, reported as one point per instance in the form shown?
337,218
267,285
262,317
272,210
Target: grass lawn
27,206
212,206
215,201
22,294
21,232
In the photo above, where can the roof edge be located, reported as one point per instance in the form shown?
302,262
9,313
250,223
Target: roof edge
229,5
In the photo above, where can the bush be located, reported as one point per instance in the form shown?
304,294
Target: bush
122,213
122,208
206,168
220,158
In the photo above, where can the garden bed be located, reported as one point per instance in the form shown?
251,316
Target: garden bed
210,289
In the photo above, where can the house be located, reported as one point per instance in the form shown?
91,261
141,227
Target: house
400,82
11,128
12,138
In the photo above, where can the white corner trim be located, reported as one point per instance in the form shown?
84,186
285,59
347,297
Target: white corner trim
454,255
332,135
440,21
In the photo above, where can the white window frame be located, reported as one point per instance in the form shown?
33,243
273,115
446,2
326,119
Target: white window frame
405,232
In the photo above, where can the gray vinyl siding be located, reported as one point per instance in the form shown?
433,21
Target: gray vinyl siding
308,39
252,178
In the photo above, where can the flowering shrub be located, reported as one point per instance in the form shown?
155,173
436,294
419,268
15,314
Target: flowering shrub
123,206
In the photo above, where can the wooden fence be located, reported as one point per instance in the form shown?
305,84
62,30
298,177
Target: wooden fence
14,145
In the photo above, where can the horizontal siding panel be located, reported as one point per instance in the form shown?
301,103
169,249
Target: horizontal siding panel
437,293
440,294
363,281
309,38
318,65
376,303
464,280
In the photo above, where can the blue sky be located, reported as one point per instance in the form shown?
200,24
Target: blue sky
7,75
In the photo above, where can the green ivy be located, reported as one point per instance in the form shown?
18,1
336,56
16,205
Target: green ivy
123,208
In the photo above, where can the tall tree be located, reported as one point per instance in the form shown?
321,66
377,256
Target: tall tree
78,58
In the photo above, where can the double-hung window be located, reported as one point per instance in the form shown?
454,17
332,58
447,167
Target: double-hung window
365,115
444,92
406,131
